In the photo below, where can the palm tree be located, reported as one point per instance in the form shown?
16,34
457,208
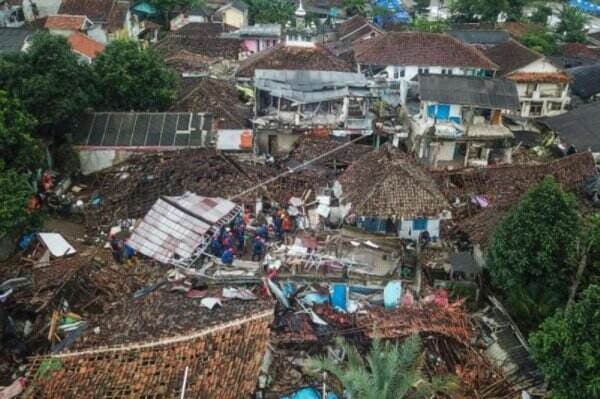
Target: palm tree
389,371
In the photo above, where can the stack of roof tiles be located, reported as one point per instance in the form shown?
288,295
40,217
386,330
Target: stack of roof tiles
386,183
223,361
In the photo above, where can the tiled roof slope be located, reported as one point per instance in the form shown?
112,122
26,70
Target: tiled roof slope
282,57
65,22
85,45
586,80
199,43
96,10
223,361
419,48
215,96
579,50
511,56
386,183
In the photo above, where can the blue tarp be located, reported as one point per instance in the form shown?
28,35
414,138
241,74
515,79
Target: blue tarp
586,6
397,11
374,225
339,296
308,393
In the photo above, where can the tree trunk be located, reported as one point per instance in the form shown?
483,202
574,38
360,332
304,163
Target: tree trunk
580,270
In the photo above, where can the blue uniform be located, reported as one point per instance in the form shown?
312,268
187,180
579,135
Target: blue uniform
227,257
215,247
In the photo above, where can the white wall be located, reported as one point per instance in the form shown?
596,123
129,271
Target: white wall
406,229
96,160
539,66
98,34
446,151
411,71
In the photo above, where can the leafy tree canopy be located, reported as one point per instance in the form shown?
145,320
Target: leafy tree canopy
571,27
541,14
356,7
531,255
541,41
18,149
49,81
15,194
485,10
566,348
424,25
270,11
131,77
389,371
421,7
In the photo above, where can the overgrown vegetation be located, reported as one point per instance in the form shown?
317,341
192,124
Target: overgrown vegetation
388,371
532,253
270,11
566,348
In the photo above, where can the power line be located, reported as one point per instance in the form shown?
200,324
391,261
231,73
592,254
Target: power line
295,168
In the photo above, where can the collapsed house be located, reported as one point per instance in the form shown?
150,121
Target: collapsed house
460,121
207,355
176,230
293,101
389,193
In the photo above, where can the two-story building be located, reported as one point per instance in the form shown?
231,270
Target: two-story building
257,38
542,86
397,58
460,121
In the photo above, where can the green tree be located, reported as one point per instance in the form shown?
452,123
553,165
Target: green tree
355,7
421,7
532,252
571,27
49,81
131,77
19,150
541,14
566,348
390,371
15,194
485,10
267,11
541,41
420,24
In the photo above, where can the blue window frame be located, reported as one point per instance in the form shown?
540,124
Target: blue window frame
420,224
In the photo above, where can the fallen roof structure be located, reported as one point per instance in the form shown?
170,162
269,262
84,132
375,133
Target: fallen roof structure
386,183
579,128
469,91
304,86
220,361
177,229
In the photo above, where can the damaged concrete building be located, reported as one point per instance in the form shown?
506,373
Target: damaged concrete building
460,121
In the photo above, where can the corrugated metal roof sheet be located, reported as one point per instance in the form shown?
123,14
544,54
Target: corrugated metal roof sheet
468,90
175,227
580,127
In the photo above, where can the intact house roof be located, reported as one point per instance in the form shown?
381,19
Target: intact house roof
217,97
356,27
96,10
85,45
580,127
482,37
221,349
201,38
175,227
165,130
385,183
470,91
579,50
13,39
585,80
66,22
418,48
282,57
511,56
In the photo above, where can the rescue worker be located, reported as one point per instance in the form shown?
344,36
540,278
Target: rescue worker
277,222
240,231
116,249
262,232
227,258
258,248
215,247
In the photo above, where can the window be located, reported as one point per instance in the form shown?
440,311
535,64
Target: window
446,71
420,224
555,106
396,74
423,71
535,109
